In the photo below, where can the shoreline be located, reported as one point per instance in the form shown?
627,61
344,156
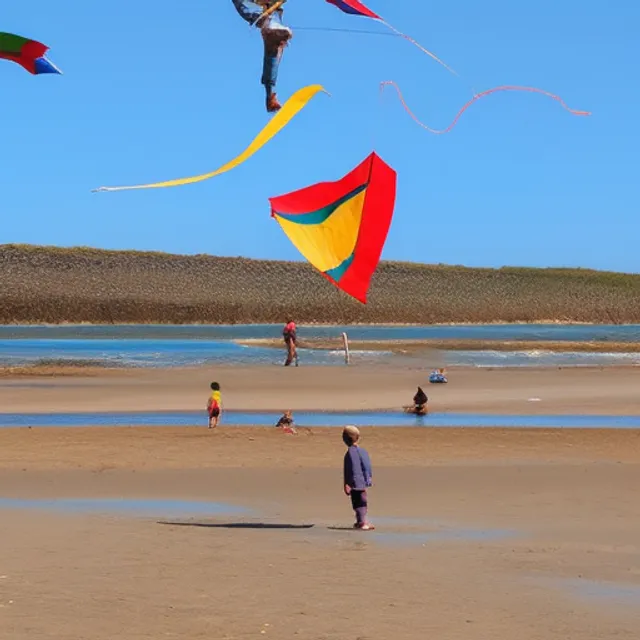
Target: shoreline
94,368
97,368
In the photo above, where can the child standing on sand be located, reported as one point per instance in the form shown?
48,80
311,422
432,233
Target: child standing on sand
358,476
214,405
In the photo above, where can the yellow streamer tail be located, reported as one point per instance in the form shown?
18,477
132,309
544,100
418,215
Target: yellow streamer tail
290,109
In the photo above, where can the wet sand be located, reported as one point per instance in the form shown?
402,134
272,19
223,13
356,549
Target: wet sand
99,449
481,533
613,390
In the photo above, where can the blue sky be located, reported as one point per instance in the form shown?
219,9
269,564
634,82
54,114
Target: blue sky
160,89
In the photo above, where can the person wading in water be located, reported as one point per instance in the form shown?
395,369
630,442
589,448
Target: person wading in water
289,334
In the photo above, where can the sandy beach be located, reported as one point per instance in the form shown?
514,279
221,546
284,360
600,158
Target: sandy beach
613,390
505,506
480,533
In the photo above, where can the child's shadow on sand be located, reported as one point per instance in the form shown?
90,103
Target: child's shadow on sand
238,525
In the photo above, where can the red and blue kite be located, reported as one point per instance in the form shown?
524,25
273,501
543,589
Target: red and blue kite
341,227
354,8
29,54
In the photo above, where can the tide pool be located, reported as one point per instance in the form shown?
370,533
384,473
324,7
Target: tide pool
320,419
142,506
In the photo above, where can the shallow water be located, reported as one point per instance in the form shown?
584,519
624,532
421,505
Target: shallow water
143,507
319,419
561,332
197,352
169,345
153,352
620,593
422,538
147,508
538,358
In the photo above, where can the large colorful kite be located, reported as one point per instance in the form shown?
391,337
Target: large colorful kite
29,54
295,104
341,227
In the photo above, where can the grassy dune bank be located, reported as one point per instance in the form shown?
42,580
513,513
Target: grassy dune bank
53,285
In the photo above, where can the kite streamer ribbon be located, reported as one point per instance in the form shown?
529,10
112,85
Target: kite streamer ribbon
417,44
293,106
357,8
477,97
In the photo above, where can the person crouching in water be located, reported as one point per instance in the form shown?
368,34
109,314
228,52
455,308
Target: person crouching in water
419,406
214,405
358,476
420,402
286,423
290,340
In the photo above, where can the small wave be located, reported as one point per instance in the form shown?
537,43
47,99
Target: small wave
484,359
357,353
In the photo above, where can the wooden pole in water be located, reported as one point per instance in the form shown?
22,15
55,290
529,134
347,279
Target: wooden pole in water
345,342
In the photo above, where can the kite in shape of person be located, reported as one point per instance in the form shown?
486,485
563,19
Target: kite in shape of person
267,16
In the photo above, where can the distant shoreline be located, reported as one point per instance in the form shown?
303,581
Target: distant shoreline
100,370
84,286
